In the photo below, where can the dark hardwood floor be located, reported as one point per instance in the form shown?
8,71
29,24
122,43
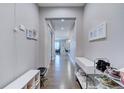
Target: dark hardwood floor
61,74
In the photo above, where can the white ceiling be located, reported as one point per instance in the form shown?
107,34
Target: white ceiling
62,24
61,4
62,27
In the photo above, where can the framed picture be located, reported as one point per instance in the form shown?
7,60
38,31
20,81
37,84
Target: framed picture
29,34
35,34
98,33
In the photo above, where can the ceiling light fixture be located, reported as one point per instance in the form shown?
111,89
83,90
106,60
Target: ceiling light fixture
62,28
62,20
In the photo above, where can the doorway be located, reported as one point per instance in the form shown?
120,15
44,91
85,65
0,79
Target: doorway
63,36
63,46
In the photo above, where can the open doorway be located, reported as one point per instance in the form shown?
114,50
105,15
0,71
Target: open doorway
63,36
63,46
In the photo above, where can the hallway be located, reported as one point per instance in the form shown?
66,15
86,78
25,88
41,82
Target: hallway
61,74
33,34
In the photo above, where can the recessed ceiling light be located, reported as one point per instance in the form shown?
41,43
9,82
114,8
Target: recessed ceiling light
62,20
62,28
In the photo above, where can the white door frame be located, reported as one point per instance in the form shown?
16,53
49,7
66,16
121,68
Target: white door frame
52,18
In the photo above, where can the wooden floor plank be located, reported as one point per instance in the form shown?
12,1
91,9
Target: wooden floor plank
61,74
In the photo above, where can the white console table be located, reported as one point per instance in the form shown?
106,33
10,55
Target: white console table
87,66
29,80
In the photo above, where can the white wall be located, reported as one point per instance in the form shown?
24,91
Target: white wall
73,44
113,46
47,44
17,54
28,15
53,45
58,13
